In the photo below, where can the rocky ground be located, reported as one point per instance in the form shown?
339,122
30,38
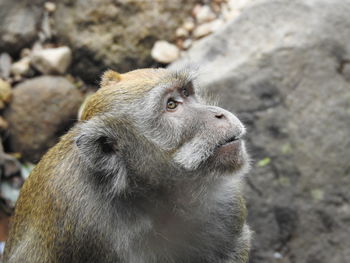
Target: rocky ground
283,66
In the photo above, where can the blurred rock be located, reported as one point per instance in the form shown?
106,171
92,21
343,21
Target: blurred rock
5,93
5,65
181,32
187,44
21,67
10,166
11,180
207,28
165,52
188,25
3,124
204,14
46,32
52,60
26,169
19,23
280,66
116,34
42,109
9,193
50,7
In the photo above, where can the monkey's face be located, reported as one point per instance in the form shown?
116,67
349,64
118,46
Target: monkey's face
152,122
196,135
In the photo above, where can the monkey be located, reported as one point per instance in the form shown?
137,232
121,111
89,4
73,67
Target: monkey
152,172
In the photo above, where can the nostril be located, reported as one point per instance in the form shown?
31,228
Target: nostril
219,116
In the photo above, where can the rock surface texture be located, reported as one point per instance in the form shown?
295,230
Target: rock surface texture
283,66
42,109
19,22
116,34
52,60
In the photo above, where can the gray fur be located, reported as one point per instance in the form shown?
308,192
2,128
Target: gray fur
144,188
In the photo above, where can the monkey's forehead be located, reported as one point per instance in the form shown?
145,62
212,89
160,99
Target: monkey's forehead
137,82
118,88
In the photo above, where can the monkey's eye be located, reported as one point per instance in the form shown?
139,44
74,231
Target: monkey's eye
185,92
171,104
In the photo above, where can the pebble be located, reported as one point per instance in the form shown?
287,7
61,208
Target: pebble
5,93
207,28
229,13
165,52
204,14
232,8
25,52
5,65
189,25
3,124
181,32
277,255
52,60
9,193
238,4
187,43
196,9
21,67
50,7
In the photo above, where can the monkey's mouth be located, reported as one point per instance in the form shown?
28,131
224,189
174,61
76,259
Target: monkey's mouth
231,140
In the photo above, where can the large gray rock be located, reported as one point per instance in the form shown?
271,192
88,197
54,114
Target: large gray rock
19,23
283,66
41,110
116,34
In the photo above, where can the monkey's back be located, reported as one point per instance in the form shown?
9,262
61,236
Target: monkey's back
38,210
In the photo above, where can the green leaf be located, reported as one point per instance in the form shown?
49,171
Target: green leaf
264,162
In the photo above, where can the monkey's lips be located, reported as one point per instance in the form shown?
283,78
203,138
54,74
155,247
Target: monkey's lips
230,143
232,146
230,153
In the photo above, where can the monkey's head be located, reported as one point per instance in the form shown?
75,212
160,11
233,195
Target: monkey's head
152,121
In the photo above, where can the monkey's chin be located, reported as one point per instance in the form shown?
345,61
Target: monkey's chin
230,157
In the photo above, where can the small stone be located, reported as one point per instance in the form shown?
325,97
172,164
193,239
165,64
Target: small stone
238,4
207,28
189,25
52,60
165,52
181,32
204,14
3,124
229,14
50,7
10,165
215,7
46,27
5,65
25,52
196,9
277,255
37,46
26,170
187,43
5,92
21,67
179,43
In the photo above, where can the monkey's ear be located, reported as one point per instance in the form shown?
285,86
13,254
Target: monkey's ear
99,152
110,77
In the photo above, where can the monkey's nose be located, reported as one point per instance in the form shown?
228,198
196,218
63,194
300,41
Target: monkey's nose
219,115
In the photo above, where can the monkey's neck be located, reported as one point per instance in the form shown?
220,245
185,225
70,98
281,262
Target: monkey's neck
180,196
